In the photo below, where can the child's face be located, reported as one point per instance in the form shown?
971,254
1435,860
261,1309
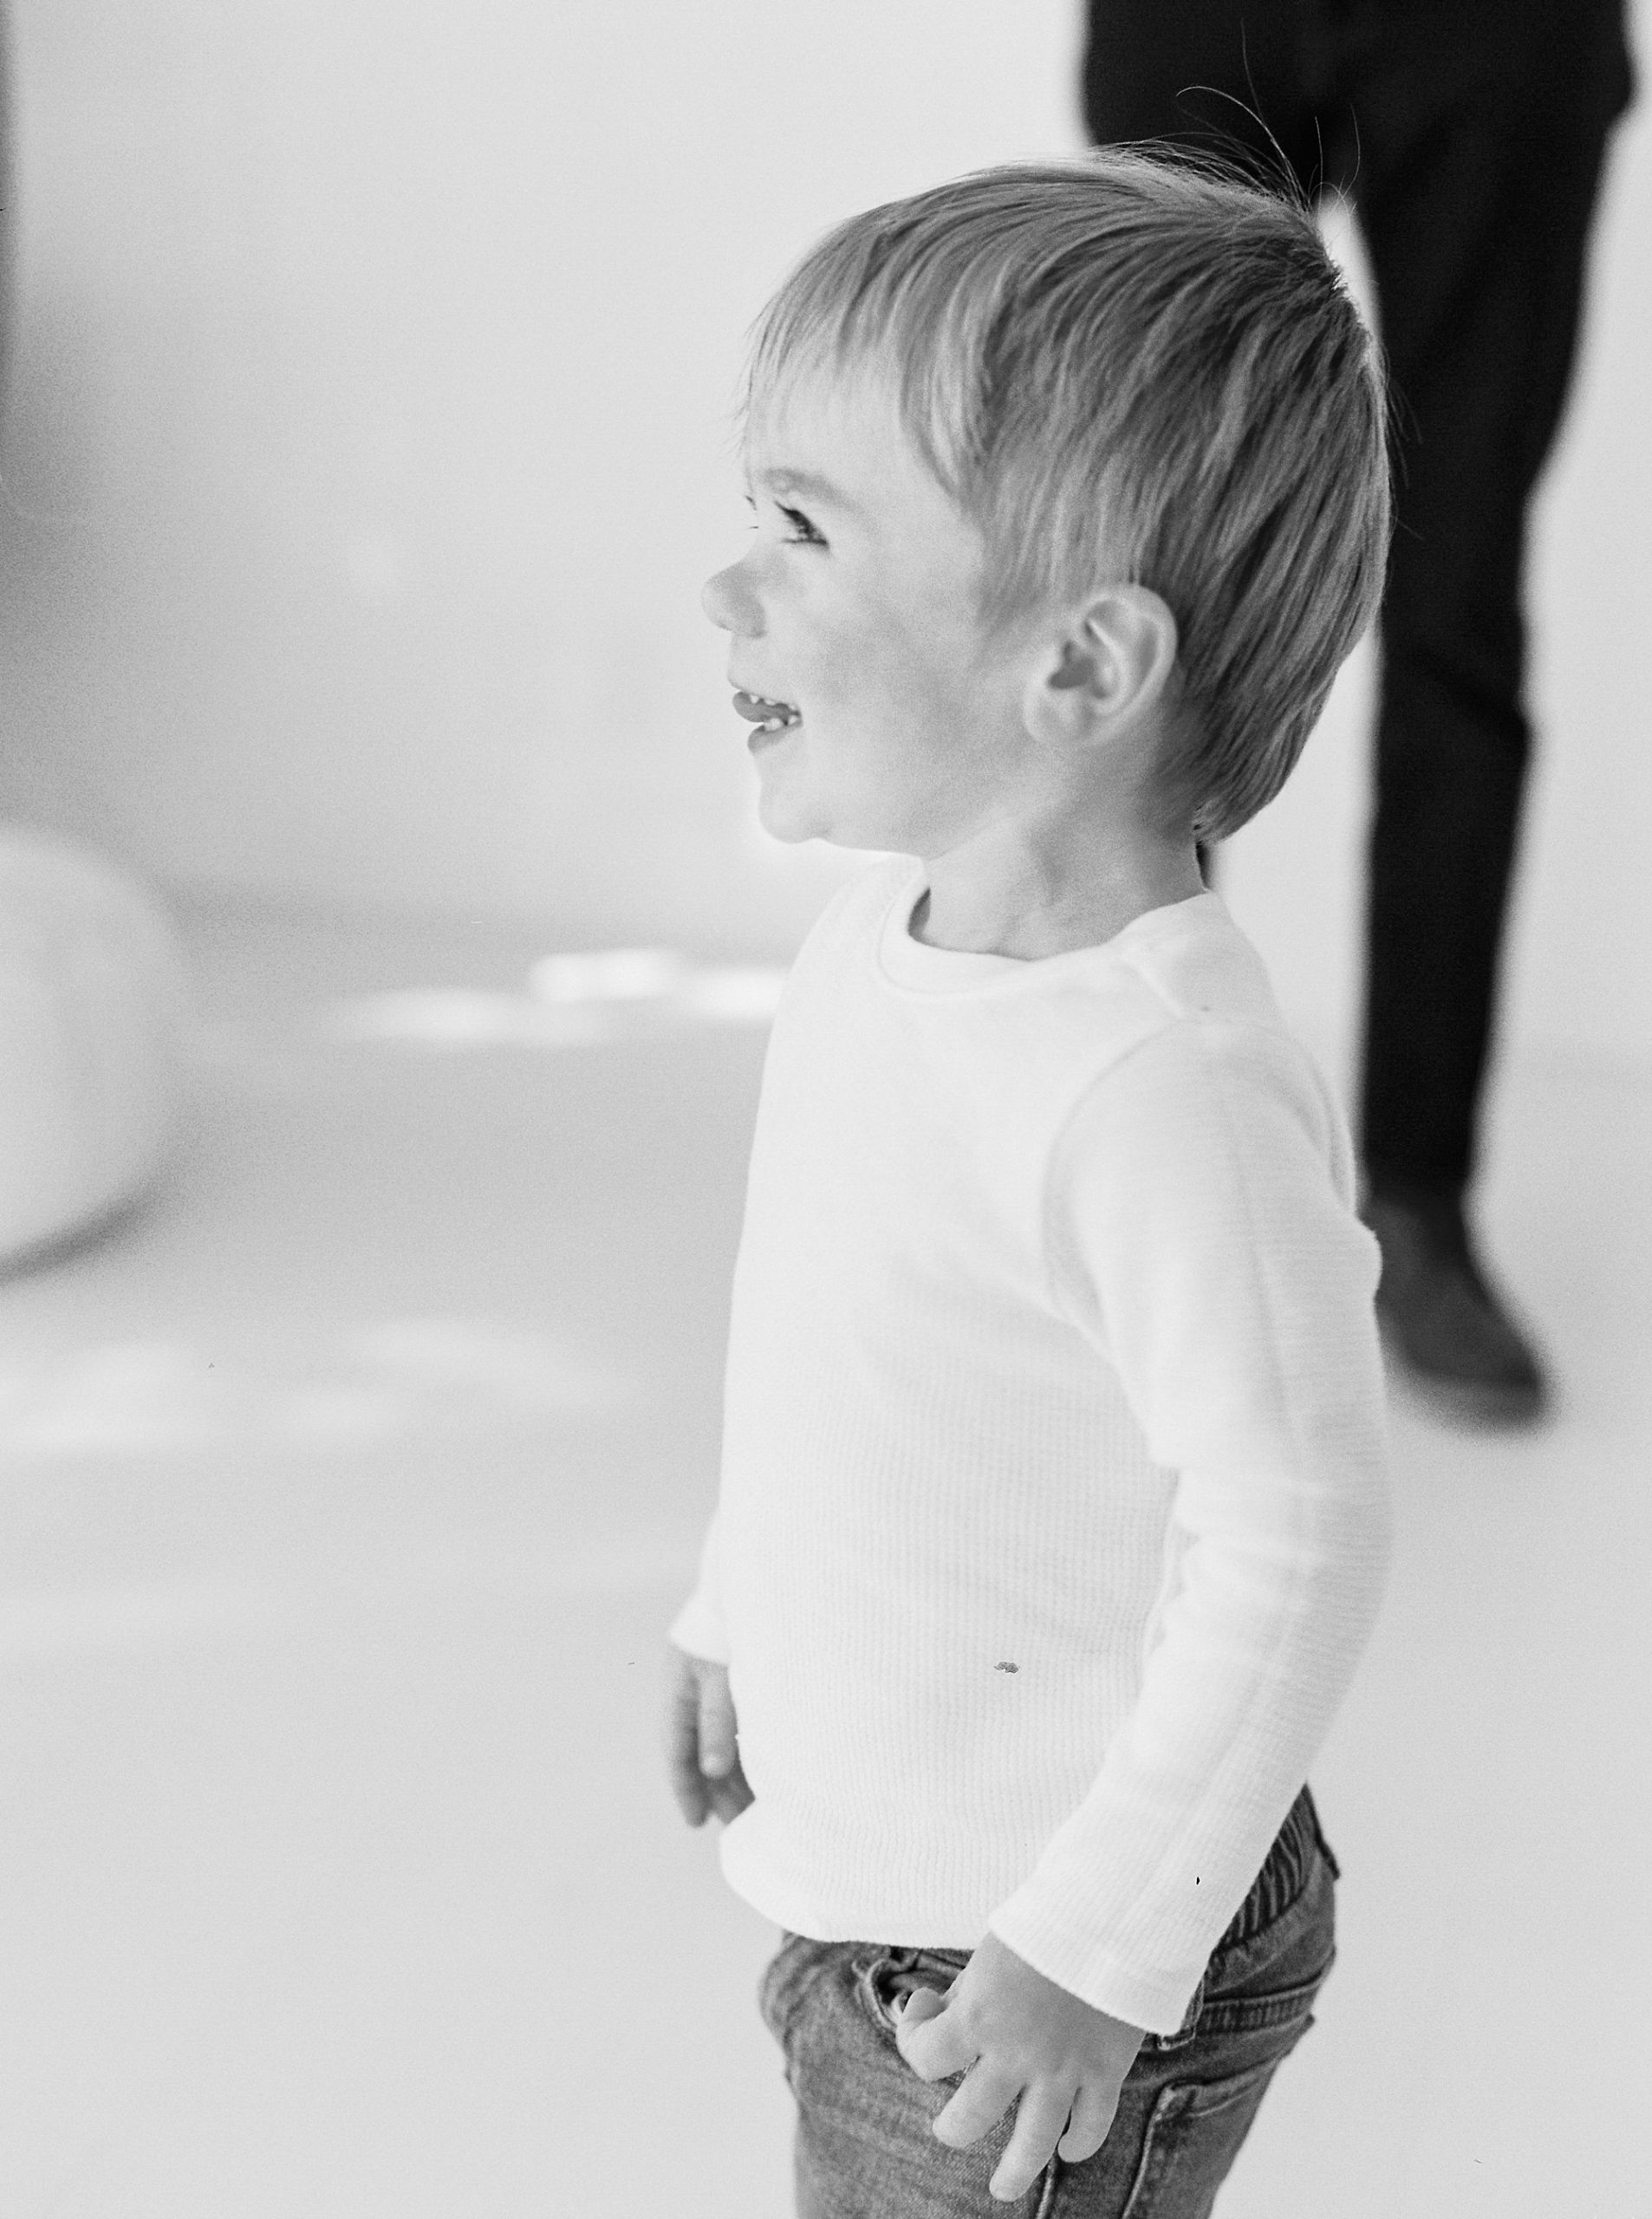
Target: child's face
858,607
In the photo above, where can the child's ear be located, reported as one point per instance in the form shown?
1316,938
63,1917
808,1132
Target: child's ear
1109,666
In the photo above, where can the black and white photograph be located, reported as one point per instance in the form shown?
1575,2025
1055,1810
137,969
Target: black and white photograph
825,1109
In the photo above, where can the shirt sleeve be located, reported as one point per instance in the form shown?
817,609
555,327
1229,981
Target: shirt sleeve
1200,1231
697,1628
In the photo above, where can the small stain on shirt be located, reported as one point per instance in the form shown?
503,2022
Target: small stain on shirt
1006,1668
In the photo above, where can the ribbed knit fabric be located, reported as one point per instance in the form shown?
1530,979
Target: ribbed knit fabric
1053,1515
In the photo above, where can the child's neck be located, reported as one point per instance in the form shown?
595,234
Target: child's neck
1028,905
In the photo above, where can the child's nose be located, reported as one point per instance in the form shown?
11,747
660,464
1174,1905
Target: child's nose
728,600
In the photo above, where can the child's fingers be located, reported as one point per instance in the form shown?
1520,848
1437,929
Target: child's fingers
687,1786
1092,2117
717,1728
691,1792
702,1744
730,1797
1040,2120
682,1740
929,2053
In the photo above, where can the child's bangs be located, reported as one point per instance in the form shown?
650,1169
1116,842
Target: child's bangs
841,314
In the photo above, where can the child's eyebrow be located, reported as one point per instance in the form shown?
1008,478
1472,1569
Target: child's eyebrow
812,487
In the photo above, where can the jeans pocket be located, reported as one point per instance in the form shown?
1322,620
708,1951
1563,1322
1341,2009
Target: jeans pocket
1193,2135
1187,2031
874,1991
883,1982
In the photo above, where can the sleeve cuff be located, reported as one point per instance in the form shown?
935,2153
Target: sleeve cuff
698,1631
1158,2004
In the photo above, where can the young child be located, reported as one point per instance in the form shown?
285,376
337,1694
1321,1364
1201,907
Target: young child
1053,1511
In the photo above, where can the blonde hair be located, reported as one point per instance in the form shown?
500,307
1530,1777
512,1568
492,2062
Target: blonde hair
1126,368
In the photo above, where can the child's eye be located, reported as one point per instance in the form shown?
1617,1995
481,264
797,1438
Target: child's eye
803,532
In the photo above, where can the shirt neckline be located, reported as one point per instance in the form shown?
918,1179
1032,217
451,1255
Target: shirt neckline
916,967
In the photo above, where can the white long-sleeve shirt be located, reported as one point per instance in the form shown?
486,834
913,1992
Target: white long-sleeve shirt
1053,1515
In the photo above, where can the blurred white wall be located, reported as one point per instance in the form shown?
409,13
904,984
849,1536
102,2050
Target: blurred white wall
369,431
368,442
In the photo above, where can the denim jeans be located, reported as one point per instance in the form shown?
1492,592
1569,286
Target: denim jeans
864,2149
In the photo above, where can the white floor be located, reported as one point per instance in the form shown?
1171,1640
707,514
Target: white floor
347,1490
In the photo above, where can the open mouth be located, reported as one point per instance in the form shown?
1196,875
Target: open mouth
767,715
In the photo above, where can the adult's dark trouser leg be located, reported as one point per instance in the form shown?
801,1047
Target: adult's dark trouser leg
1480,164
1231,76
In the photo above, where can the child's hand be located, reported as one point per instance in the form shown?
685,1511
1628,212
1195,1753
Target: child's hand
1024,2037
701,1740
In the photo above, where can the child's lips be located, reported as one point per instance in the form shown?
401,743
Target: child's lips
759,709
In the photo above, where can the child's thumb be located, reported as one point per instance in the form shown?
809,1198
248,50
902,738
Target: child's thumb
921,2004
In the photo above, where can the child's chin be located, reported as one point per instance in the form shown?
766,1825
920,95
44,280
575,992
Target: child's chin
784,817
795,829
789,812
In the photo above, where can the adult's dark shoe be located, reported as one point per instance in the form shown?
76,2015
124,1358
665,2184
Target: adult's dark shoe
1451,1335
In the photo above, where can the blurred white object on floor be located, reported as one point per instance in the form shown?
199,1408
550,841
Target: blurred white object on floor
93,1022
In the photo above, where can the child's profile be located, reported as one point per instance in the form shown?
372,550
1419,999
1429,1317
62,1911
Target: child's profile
1053,1513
